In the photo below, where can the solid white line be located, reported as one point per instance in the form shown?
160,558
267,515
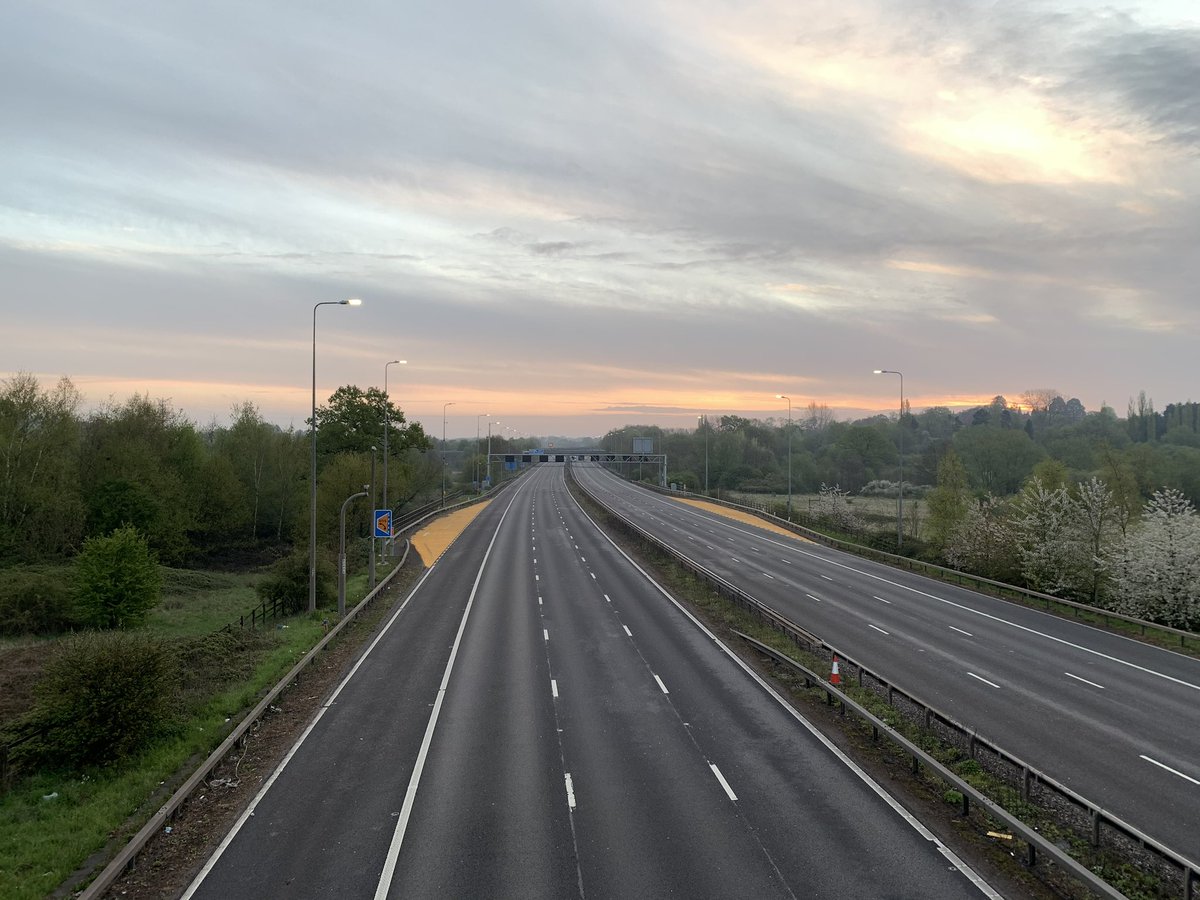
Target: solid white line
960,631
410,795
1169,769
570,791
627,631
811,597
661,685
881,600
554,688
984,680
1084,680
724,783
877,628
249,811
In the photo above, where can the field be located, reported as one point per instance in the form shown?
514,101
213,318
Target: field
51,822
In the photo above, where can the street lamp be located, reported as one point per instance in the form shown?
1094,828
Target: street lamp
489,464
444,405
789,452
342,551
312,481
900,422
387,426
703,423
478,416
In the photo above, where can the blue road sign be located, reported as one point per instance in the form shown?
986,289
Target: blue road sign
383,523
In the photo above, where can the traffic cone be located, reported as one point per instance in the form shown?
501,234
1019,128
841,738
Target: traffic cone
836,676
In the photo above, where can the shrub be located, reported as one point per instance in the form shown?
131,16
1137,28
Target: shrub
116,579
103,696
35,603
288,582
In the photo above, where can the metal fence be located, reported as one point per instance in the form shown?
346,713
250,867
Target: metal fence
1099,819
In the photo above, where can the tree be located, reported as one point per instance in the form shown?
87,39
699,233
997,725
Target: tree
1098,522
983,543
997,460
1041,528
353,419
116,579
1156,568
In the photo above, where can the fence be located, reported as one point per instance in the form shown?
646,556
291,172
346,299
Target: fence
1030,778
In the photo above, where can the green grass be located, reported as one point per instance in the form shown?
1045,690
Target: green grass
43,841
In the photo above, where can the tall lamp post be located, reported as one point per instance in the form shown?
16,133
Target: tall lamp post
703,420
312,440
387,427
444,405
478,484
900,422
489,463
789,451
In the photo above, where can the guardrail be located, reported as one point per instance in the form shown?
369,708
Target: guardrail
237,736
932,570
1029,776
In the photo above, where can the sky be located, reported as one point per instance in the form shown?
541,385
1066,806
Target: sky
568,217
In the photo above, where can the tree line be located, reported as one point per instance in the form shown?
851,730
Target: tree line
197,494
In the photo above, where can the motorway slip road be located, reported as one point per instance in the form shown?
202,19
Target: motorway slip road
539,720
1112,718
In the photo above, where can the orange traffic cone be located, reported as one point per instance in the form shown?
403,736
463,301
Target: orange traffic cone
836,676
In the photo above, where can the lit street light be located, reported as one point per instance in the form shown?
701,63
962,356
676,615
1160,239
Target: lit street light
900,422
312,439
789,452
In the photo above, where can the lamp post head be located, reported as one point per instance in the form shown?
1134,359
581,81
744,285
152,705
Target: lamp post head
878,371
353,301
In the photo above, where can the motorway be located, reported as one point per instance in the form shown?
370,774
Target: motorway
1115,720
538,719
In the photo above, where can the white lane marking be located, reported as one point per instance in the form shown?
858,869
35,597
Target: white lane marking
960,631
877,628
827,578
539,599
881,600
554,688
833,748
570,791
627,631
755,550
984,680
1169,769
584,558
593,574
769,575
545,634
811,597
237,826
1085,681
735,559
537,577
661,685
608,598
410,795
724,783
710,547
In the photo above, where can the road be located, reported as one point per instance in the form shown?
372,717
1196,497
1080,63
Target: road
540,720
1116,720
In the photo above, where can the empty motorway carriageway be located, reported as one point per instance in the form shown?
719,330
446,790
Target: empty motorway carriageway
539,719
1115,720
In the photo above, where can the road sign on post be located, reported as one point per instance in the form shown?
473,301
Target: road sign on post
383,523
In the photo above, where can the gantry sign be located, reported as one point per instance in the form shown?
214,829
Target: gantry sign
602,457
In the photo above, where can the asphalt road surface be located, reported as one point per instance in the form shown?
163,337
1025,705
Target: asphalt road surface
1115,720
540,720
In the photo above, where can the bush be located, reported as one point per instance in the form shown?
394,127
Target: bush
288,582
35,603
116,579
102,697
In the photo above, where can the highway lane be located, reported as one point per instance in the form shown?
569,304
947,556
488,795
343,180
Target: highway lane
570,732
1112,718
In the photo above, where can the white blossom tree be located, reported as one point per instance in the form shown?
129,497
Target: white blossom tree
1155,570
983,541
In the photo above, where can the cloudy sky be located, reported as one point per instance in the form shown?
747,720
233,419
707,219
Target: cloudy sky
573,216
